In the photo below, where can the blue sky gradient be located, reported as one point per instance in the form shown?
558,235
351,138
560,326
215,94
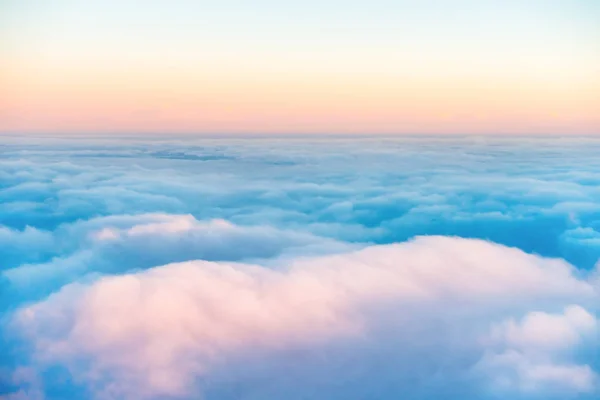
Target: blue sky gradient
139,67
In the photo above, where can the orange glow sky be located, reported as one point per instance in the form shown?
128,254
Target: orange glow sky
320,67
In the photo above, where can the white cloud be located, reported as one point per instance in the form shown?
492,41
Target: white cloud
539,330
156,333
513,371
537,353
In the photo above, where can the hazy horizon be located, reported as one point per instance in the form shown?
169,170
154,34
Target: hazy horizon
422,67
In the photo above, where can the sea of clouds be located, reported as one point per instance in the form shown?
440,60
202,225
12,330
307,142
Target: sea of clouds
299,268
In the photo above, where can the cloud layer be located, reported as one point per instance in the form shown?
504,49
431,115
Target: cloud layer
535,194
259,270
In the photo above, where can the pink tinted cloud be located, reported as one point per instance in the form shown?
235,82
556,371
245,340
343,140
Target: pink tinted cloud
154,333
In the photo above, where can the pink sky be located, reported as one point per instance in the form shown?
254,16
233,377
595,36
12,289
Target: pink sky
515,69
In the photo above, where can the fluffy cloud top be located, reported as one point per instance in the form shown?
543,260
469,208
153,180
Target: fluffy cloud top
519,192
158,333
537,352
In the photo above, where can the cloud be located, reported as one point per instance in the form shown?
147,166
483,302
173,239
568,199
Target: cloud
581,244
119,244
29,245
547,331
518,193
164,331
275,224
538,353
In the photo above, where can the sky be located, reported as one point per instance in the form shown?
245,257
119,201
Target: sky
207,67
161,268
